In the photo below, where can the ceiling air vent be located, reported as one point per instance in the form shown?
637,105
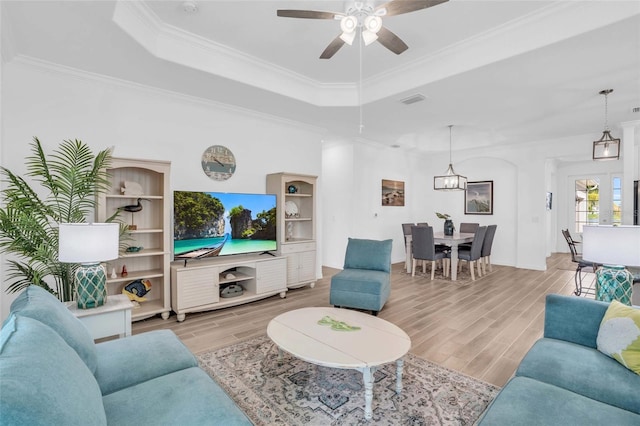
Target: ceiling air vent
413,99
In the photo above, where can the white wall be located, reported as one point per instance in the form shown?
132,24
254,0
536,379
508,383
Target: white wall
147,124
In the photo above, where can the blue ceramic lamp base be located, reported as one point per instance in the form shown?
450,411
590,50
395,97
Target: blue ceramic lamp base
91,286
614,283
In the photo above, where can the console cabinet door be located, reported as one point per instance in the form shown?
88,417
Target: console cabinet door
271,275
197,287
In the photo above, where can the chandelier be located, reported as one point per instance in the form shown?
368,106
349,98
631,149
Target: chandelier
451,180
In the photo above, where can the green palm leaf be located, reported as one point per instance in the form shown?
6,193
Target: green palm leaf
73,178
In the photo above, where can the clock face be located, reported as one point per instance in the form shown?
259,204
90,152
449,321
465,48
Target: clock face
218,162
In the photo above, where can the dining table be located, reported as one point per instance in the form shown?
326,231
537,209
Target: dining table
452,241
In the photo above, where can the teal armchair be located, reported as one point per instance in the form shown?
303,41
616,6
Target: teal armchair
365,281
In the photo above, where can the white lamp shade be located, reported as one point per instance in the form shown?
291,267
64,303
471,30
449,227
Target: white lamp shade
369,37
611,245
88,242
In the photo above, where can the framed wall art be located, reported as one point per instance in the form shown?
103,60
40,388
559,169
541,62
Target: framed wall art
392,192
478,198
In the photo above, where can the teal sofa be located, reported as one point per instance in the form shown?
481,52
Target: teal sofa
564,379
365,281
52,373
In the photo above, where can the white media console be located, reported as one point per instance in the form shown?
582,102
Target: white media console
196,284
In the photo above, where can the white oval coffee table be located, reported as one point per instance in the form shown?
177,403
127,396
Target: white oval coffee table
377,342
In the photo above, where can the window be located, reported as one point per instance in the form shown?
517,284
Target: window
616,209
587,203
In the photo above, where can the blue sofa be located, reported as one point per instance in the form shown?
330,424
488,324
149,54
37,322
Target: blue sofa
365,281
564,379
52,373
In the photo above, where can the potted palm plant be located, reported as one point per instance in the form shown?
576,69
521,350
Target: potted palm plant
70,178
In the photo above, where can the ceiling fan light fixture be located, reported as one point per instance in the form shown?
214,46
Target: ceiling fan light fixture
606,148
369,37
348,24
348,37
373,23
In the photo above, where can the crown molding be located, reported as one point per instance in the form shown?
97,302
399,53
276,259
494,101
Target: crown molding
537,29
176,45
543,27
87,76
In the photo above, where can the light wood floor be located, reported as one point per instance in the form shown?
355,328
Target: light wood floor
482,329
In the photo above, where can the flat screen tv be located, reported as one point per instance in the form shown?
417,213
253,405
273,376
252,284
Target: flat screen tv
209,224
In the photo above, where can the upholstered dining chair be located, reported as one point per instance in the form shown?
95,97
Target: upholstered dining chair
468,228
406,230
423,223
486,248
473,255
425,249
365,281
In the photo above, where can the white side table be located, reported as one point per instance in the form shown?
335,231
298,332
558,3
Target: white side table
114,317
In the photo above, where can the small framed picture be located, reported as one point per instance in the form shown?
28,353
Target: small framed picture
392,192
549,200
478,198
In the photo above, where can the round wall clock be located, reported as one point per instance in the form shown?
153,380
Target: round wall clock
218,162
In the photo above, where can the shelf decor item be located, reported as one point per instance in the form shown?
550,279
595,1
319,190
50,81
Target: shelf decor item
89,244
448,223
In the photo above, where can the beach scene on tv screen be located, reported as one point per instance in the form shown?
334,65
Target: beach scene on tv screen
209,224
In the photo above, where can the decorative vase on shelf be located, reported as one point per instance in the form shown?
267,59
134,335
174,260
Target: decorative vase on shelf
448,227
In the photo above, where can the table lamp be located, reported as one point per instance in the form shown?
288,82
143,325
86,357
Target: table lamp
615,248
89,244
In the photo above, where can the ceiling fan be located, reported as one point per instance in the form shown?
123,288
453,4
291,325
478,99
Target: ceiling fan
367,18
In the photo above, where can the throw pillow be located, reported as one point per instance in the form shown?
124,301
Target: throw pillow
619,335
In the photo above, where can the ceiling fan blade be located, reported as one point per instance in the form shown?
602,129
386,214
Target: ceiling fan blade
307,14
332,48
391,41
398,7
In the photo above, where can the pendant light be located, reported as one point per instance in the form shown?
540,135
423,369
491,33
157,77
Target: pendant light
606,148
450,181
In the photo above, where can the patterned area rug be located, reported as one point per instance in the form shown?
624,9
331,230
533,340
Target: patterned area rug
293,392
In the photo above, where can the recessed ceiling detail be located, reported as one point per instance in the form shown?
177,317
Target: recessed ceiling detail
542,27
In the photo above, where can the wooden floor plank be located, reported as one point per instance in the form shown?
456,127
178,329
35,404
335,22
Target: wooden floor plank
482,329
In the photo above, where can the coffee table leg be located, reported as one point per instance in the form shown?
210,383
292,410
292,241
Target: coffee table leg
367,374
399,365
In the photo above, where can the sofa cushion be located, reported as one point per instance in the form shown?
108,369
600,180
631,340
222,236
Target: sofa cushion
574,319
582,370
186,397
619,335
525,401
43,380
368,254
37,303
132,360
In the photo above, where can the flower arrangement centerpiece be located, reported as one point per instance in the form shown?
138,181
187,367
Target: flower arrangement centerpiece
448,223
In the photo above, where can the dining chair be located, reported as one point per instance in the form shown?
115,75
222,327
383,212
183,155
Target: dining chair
424,249
468,228
577,259
406,230
486,248
423,224
472,255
